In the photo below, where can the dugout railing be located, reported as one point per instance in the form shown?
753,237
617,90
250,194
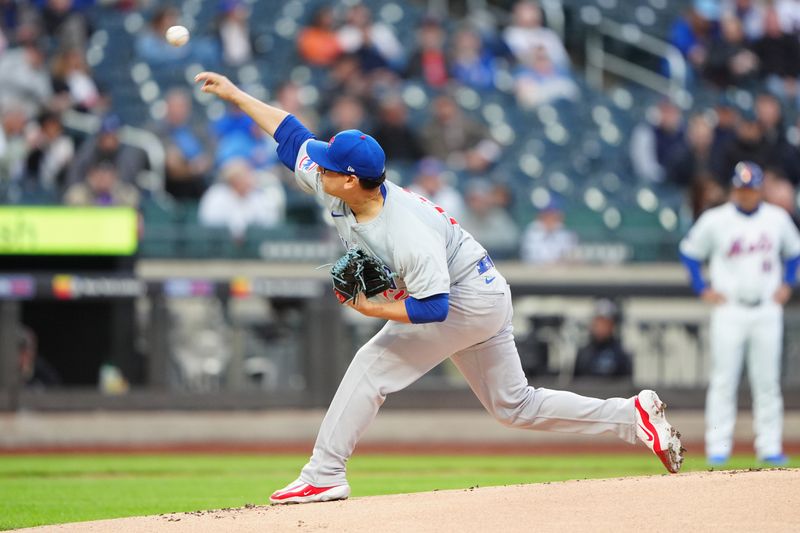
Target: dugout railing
271,336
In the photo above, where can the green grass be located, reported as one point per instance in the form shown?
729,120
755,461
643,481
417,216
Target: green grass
49,489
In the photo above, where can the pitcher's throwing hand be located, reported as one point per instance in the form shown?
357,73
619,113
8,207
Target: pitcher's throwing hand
218,85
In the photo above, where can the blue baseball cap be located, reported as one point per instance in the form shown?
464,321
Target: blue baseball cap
747,175
110,124
554,204
350,152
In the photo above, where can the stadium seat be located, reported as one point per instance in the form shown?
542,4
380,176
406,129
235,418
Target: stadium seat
565,147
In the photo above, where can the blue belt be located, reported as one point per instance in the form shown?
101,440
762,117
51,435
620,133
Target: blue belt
485,264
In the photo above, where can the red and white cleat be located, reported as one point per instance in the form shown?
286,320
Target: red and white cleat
653,429
301,492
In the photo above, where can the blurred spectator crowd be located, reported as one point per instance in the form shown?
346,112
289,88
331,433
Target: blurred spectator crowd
357,73
741,48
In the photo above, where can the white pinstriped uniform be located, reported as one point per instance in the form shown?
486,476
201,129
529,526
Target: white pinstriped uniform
745,255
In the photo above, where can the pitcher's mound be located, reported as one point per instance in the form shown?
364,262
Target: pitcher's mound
764,500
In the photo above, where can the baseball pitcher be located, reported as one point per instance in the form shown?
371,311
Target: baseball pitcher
447,300
753,249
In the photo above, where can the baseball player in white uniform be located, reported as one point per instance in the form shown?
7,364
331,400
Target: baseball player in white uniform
753,249
450,302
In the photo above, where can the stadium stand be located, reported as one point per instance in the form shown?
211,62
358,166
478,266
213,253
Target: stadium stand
571,148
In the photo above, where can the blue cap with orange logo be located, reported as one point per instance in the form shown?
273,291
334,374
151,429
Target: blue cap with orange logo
747,175
350,152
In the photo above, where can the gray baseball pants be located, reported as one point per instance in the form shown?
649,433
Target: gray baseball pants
477,336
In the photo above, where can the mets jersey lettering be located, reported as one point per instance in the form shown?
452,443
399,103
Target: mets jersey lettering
743,251
741,246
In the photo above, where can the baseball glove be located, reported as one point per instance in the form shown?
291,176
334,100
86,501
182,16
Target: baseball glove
357,272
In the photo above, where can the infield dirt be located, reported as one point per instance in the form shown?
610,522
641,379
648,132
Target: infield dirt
736,500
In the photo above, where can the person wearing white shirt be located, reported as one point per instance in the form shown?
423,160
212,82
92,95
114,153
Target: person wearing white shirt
789,15
238,200
360,34
546,241
526,33
430,183
234,32
26,80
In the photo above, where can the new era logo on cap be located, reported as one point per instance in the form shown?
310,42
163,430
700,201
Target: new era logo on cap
748,175
349,152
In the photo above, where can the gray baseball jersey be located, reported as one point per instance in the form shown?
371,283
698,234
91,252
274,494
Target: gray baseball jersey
416,239
432,254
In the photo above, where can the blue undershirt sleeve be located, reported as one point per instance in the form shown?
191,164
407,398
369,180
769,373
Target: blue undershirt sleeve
431,309
290,135
790,270
695,272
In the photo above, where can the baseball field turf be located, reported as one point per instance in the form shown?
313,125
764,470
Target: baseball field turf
49,489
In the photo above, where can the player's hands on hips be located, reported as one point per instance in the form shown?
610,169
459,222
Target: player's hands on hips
711,296
218,85
783,294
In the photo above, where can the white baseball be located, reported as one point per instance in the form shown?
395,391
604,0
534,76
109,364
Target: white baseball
177,35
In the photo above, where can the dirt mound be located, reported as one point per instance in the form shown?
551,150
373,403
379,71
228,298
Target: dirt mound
762,500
